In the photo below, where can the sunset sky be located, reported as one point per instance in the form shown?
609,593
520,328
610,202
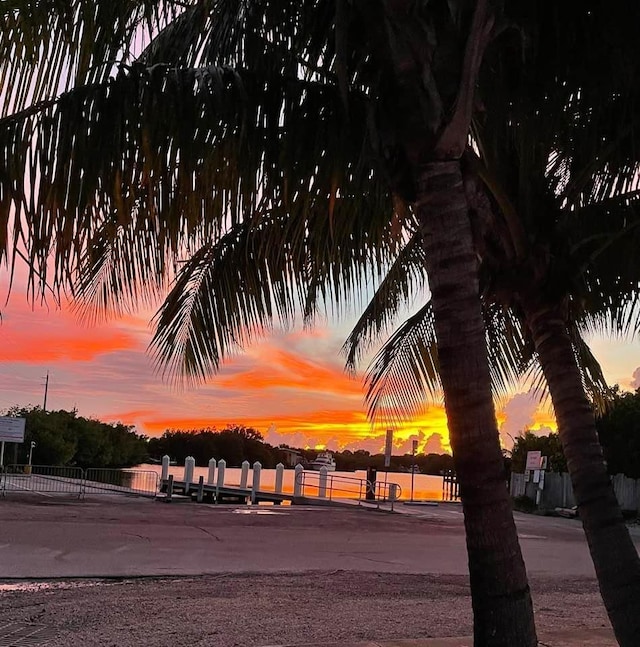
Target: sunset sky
291,386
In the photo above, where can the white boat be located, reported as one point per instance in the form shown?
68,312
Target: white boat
324,459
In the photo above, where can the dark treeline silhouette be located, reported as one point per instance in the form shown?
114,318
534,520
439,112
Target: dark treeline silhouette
64,438
237,443
618,430
550,447
619,433
234,444
348,461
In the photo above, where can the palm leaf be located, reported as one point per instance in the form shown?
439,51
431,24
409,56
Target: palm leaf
90,39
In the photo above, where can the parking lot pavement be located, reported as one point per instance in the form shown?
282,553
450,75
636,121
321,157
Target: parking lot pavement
114,536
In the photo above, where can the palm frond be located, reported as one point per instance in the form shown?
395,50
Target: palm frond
402,282
593,379
234,288
404,376
404,373
192,151
49,47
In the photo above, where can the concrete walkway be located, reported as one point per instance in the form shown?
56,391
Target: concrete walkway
582,638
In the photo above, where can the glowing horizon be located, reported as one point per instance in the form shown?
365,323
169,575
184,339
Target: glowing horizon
291,386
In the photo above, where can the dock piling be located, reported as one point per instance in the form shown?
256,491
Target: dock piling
189,465
211,476
279,477
166,460
200,494
322,483
222,466
297,481
244,475
257,468
170,487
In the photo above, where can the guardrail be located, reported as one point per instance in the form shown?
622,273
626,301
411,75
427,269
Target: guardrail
330,486
74,481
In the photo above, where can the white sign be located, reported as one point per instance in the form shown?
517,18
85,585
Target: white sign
12,430
387,448
534,459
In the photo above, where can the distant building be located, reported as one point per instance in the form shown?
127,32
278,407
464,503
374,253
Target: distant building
291,456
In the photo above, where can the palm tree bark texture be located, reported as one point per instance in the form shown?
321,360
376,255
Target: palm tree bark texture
614,556
503,612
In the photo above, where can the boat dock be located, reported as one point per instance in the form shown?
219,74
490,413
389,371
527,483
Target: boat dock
310,487
213,493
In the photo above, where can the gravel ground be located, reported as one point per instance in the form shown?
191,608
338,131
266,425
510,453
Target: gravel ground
281,609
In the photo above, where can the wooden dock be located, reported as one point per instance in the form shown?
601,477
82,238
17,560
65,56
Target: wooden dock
213,493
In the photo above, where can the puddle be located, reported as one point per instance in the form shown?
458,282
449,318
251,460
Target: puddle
253,511
31,586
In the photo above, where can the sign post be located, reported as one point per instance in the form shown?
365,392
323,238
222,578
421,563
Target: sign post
11,431
388,445
534,460
387,448
414,447
535,467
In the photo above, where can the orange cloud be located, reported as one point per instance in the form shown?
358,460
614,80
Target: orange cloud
42,335
42,344
317,428
282,369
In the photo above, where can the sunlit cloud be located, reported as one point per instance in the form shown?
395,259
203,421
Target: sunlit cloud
290,386
46,336
524,412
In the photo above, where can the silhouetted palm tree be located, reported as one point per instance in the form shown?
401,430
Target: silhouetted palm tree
240,111
557,220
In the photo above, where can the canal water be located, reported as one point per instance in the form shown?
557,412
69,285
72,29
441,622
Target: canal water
426,487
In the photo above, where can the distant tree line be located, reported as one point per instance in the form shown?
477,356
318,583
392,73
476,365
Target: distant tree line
360,459
618,430
64,438
234,444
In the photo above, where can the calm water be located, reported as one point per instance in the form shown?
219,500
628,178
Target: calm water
345,484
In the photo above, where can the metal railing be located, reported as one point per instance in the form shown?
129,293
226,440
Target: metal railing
346,487
74,481
126,481
42,478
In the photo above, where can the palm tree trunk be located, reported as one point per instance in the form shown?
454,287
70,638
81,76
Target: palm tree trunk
503,612
614,556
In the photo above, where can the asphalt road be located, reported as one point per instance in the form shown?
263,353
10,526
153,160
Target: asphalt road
123,537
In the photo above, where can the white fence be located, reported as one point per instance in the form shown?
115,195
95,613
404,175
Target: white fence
558,493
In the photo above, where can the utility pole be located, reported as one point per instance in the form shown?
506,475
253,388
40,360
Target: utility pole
46,389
